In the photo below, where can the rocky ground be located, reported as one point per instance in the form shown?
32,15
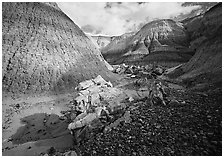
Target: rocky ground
191,124
193,127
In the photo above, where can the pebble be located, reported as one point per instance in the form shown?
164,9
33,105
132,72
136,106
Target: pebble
134,153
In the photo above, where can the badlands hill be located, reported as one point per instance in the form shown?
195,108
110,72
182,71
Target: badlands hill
43,50
162,41
103,41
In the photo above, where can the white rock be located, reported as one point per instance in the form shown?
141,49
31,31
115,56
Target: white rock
95,99
85,84
95,89
82,101
82,122
131,99
183,102
80,116
99,80
109,84
133,76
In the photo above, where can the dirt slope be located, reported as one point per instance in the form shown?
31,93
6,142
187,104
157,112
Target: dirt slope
43,50
206,37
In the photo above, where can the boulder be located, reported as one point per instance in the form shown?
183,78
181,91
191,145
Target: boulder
99,80
173,102
145,74
158,71
83,122
84,85
129,70
70,153
94,101
82,101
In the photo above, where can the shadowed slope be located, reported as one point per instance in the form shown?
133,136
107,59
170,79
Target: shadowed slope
206,37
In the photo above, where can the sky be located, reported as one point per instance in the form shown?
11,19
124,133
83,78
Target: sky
116,18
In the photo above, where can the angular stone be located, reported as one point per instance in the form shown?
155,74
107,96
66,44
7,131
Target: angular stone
82,122
82,102
158,71
99,80
85,84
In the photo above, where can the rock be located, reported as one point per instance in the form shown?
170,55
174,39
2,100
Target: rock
118,70
17,106
82,101
129,71
158,71
131,99
70,153
147,68
109,84
83,122
145,74
84,85
99,80
173,102
80,116
133,76
183,102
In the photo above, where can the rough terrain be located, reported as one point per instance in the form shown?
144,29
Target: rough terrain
191,128
185,120
190,124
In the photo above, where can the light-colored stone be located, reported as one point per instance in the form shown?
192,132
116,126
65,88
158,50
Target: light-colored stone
131,99
80,116
82,122
158,71
133,76
99,80
82,101
85,84
95,99
70,153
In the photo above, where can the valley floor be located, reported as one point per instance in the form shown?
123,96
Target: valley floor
193,126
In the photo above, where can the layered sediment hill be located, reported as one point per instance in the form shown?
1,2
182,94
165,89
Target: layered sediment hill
102,41
43,50
162,41
206,37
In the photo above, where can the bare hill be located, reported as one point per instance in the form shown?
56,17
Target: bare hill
162,41
43,50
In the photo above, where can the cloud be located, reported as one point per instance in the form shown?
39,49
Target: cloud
117,18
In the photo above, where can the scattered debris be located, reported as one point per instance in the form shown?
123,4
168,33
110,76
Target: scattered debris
95,102
147,71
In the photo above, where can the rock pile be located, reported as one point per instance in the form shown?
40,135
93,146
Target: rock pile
148,71
94,105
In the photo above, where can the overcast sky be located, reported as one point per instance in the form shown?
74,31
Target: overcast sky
117,18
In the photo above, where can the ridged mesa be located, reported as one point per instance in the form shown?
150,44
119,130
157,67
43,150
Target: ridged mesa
43,50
